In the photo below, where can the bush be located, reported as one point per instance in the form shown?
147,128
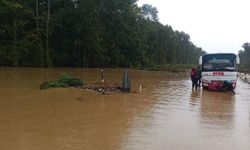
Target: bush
64,80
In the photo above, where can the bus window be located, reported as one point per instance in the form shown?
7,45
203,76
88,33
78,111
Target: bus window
219,63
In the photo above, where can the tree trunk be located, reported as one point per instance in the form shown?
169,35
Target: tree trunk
47,35
37,26
15,53
41,58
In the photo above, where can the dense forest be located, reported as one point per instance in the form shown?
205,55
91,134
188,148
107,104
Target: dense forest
89,33
244,57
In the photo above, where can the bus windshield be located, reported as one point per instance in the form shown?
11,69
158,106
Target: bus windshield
219,62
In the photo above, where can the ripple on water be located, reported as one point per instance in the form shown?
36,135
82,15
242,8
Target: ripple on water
208,116
172,94
167,114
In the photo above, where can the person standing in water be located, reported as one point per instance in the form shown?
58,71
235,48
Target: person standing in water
199,76
193,75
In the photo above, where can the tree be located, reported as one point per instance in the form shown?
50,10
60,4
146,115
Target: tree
89,33
245,56
149,12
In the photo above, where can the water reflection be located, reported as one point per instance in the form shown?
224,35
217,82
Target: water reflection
195,97
217,109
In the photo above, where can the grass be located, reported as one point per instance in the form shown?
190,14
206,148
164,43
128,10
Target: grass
64,80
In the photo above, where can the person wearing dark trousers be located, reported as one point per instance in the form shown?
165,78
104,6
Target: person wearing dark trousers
227,86
199,76
193,75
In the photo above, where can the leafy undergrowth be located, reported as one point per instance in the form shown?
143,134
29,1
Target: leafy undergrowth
64,80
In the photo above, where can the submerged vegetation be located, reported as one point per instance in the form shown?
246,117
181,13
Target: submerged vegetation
64,80
89,33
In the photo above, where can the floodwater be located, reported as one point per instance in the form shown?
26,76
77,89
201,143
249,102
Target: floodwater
166,114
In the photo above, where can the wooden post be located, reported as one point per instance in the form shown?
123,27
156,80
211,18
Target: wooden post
102,77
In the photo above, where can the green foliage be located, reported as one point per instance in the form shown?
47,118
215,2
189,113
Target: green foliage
149,12
64,80
245,58
69,80
89,33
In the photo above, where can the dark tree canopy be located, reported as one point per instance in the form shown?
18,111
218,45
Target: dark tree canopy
89,33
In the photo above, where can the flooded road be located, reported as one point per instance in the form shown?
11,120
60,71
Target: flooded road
166,114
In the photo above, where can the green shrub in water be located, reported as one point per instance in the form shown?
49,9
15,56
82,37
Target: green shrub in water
64,80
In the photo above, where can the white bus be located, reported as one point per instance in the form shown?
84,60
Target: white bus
217,69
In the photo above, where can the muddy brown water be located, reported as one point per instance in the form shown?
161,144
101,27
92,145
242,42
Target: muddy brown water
166,114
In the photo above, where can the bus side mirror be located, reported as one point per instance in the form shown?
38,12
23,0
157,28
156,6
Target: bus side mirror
200,60
237,60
